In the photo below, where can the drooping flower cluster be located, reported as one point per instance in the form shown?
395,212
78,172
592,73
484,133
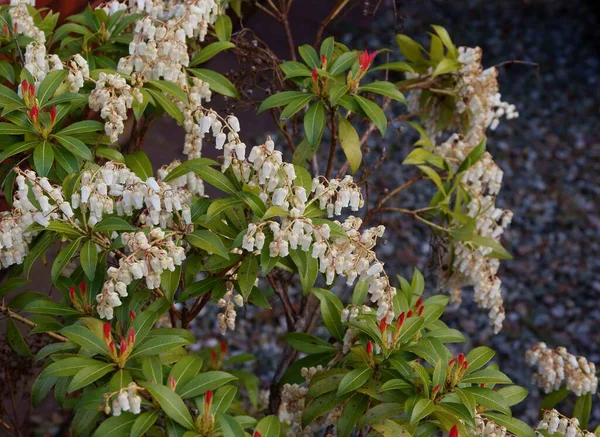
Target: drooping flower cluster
228,302
291,409
113,97
159,48
555,423
15,234
487,428
22,21
79,70
196,122
38,63
127,400
336,194
558,366
479,107
114,188
147,256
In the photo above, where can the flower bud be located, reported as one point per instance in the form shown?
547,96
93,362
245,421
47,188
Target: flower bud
34,112
370,348
53,114
223,347
106,329
453,432
172,382
208,400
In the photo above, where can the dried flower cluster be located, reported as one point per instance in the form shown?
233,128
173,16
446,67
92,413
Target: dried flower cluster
555,423
558,366
291,409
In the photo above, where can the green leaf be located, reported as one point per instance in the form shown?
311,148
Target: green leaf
336,93
229,426
217,82
167,104
7,71
68,366
17,148
309,56
254,202
446,40
247,274
379,413
185,369
45,306
513,394
152,369
308,269
139,163
158,345
293,107
327,47
374,112
116,426
82,127
216,179
423,408
279,99
479,357
63,258
198,385
513,425
223,27
110,224
207,240
198,288
486,376
353,380
43,157
391,429
189,166
269,426
169,88
314,122
489,399
446,66
383,88
88,375
85,338
396,66
307,343
342,63
582,409
353,411
170,403
350,143
15,339
293,69
75,146
65,159
331,308
50,84
554,398
434,176
143,423
410,48
88,256
210,51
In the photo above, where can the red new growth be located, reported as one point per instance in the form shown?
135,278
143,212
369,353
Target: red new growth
123,346
382,325
106,329
208,399
419,302
453,432
365,59
461,359
223,347
256,434
410,314
213,355
131,316
82,288
370,348
421,310
53,114
24,87
172,382
315,75
131,337
6,31
323,61
34,112
72,293
32,89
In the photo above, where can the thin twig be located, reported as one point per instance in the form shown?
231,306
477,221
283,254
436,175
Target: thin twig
290,314
4,309
333,143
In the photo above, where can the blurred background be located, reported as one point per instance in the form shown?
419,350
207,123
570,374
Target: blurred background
550,156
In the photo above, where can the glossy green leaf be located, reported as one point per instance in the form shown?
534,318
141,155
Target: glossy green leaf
207,240
353,380
314,122
43,158
374,112
171,403
217,82
350,143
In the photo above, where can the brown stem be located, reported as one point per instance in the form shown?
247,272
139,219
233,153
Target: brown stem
290,314
380,205
288,35
337,8
4,309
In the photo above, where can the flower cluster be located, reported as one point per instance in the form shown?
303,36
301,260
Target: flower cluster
79,70
291,409
113,6
127,400
22,21
147,257
227,317
195,121
479,107
113,97
553,422
336,194
114,188
555,366
487,428
38,63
